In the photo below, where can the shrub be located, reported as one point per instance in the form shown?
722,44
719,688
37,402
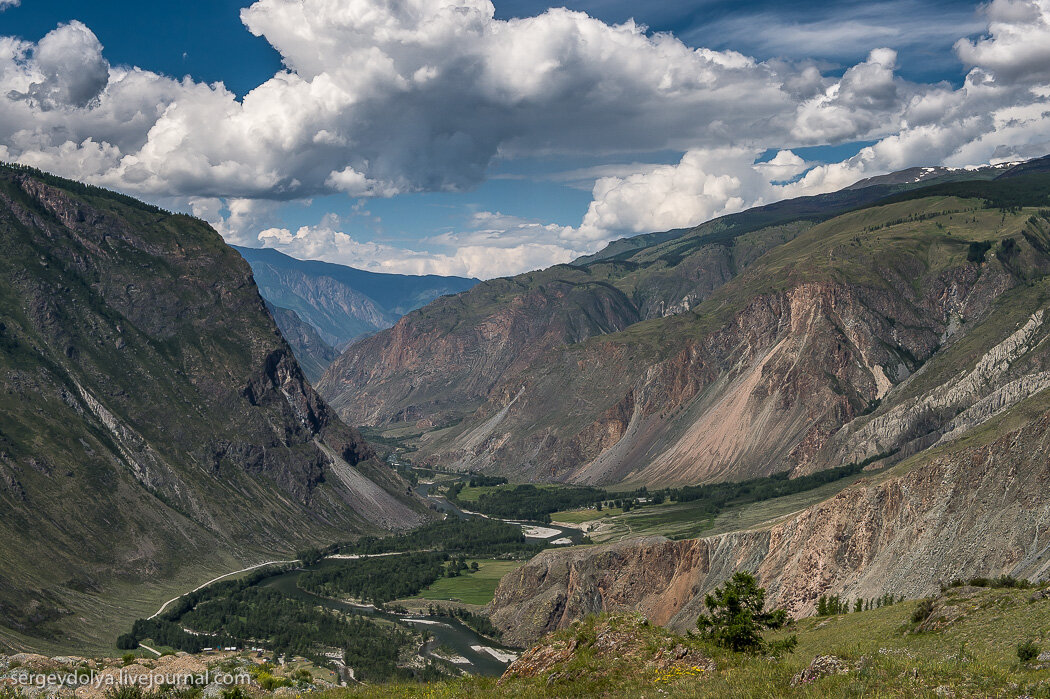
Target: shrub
310,556
1027,651
127,641
977,251
128,658
736,615
923,611
270,682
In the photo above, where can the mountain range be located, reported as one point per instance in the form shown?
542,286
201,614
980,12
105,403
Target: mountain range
747,346
155,427
900,325
339,303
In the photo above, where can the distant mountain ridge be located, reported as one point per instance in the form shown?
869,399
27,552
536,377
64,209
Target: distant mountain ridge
815,208
343,303
310,349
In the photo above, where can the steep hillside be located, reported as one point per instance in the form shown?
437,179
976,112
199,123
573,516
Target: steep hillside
716,355
312,352
343,303
154,425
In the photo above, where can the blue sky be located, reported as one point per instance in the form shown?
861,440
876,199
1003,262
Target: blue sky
206,39
536,145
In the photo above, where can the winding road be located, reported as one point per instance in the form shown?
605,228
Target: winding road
215,580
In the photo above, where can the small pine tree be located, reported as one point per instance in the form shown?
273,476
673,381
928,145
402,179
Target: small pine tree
736,615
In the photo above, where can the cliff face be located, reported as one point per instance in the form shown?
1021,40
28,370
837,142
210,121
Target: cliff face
434,365
972,510
153,422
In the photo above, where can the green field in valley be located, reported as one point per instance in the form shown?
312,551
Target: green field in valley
471,587
586,515
684,520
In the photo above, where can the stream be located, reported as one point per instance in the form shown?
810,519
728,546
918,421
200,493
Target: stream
445,631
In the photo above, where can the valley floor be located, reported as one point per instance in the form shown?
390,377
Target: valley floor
963,644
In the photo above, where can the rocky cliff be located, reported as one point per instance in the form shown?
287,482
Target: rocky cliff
972,509
154,424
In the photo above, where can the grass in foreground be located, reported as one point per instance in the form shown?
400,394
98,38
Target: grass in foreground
972,653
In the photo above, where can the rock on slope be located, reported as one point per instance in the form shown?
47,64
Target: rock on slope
153,421
711,356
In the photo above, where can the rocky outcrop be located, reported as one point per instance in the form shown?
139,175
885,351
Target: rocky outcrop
919,417
624,642
975,510
654,576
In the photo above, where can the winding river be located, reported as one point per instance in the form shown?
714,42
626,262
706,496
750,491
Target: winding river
473,653
446,631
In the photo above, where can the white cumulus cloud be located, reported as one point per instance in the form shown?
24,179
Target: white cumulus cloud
381,97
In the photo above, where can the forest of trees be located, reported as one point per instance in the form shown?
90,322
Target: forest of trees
479,622
252,615
535,503
380,579
531,502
